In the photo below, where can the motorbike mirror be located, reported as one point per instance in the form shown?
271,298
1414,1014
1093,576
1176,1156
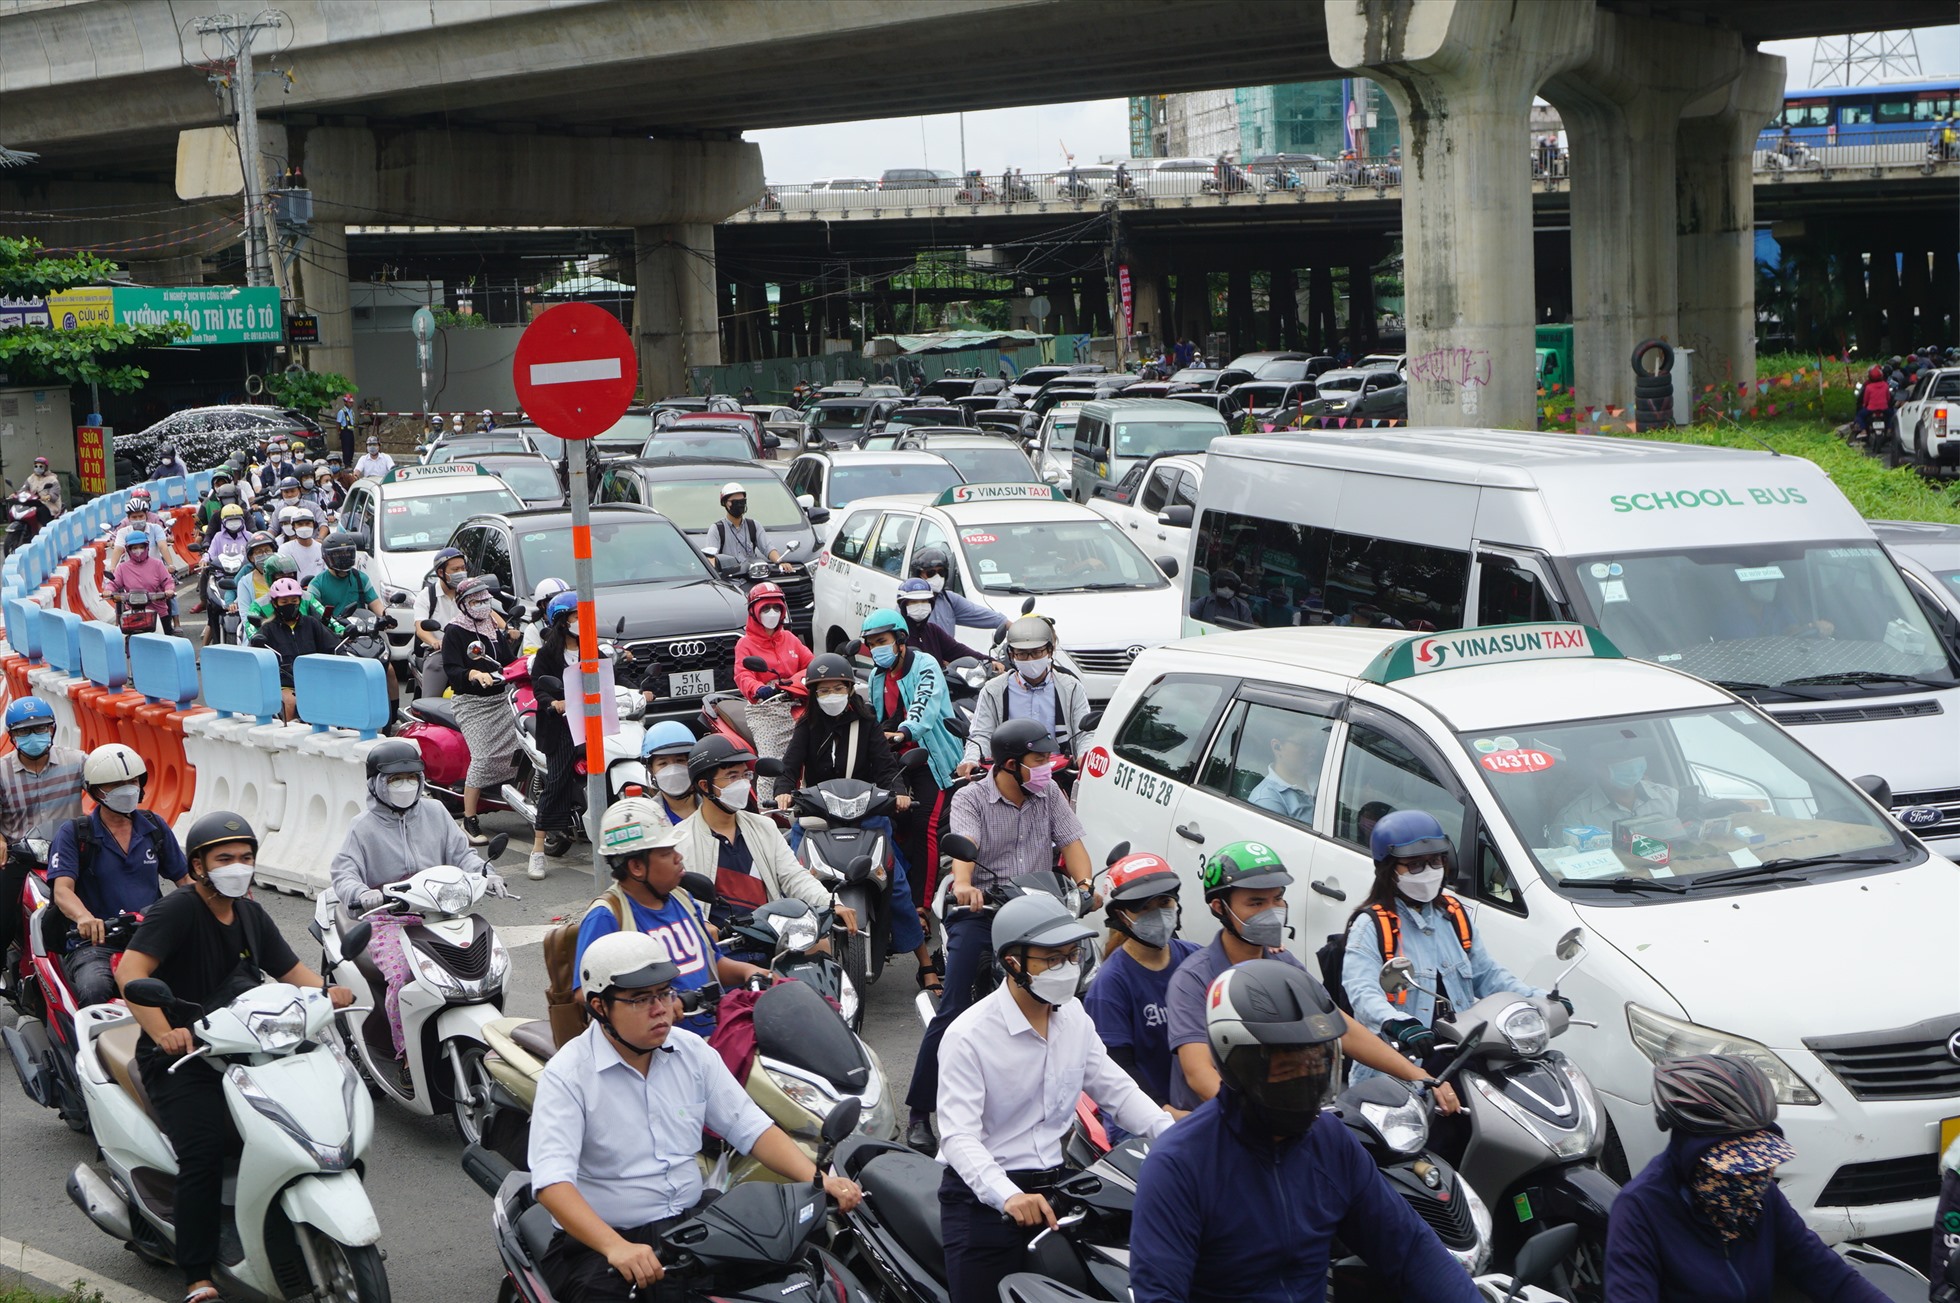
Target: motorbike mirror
859,869
356,939
958,728
769,767
842,1120
1395,975
398,599
550,683
1116,852
916,758
194,547
1027,606
852,649
755,663
959,847
149,993
1089,722
1571,945
498,844
1538,1258
700,886
430,626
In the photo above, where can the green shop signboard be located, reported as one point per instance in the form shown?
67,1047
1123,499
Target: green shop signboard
216,314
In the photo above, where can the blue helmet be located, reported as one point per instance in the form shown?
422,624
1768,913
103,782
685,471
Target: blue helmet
670,737
29,710
1401,834
561,606
883,620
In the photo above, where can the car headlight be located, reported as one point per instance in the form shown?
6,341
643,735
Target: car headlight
280,1029
1661,1037
1403,1128
1525,1027
453,897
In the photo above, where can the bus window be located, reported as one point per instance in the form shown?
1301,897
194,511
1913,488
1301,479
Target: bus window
1893,110
1852,115
1931,110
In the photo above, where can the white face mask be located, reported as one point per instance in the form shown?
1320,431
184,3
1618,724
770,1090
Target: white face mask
304,531
232,880
1057,985
938,583
769,617
1422,887
672,780
1033,671
833,703
917,610
735,796
402,792
124,799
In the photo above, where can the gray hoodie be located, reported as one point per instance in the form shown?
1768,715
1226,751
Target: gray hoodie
386,845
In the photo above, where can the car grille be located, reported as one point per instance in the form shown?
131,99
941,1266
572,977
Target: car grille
1946,800
1860,714
656,658
1917,1062
1888,1180
471,962
1103,660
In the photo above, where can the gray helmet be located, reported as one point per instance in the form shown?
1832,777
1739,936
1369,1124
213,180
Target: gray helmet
1712,1095
711,753
476,586
1030,632
1037,919
394,756
1014,738
1264,1005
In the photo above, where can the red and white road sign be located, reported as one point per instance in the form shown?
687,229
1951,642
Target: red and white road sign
575,370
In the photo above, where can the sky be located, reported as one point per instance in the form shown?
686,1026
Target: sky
1034,139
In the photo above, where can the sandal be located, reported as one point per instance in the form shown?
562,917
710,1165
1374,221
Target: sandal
930,971
203,1294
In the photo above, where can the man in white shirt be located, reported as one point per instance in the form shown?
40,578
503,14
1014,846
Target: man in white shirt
376,463
618,1123
1010,1070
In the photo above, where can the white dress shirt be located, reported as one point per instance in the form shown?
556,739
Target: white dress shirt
1007,1094
628,1142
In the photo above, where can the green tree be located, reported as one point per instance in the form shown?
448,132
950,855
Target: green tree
88,355
307,391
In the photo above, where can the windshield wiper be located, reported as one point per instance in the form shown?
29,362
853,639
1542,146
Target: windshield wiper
1018,590
1625,882
1775,868
1877,676
1106,587
1743,688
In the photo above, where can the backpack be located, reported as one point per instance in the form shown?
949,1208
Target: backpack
1332,956
567,1015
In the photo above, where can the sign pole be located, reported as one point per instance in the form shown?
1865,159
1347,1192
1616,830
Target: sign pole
588,666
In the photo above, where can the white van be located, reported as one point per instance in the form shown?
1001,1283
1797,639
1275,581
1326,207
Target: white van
1748,569
1753,902
1114,435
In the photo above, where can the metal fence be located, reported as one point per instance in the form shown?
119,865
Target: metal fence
1813,151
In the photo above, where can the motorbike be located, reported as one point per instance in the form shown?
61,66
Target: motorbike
457,969
788,932
757,1242
1793,157
1536,1129
218,586
138,612
297,1222
363,634
25,516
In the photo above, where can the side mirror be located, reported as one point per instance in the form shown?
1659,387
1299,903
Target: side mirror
355,940
399,599
959,847
550,683
916,758
769,767
1090,721
852,649
430,626
727,567
496,847
1178,517
819,516
700,886
755,663
1537,1259
194,547
149,993
1116,852
1395,975
771,442
1167,564
843,1120
1027,607
806,501
1571,945
1875,787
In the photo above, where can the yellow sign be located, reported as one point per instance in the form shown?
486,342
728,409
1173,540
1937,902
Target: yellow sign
95,306
1949,1132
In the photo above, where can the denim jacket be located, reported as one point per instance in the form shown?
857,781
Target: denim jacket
1430,943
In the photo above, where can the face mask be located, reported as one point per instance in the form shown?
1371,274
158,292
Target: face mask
1033,671
571,631
1421,887
1266,929
916,612
304,531
884,657
289,612
938,583
232,880
833,703
1057,986
673,780
402,792
770,617
233,526
453,577
477,610
1154,927
33,744
735,796
122,799
738,508
1732,1203
1227,592
1623,774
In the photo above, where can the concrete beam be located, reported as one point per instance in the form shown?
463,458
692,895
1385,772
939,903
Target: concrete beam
675,321
1462,74
131,222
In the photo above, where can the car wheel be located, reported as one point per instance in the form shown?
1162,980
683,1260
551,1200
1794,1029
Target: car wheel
1894,455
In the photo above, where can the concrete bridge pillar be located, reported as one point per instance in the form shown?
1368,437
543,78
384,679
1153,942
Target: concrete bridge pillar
322,268
1462,74
674,318
1716,217
1622,107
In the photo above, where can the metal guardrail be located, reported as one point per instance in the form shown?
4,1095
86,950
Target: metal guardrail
1865,151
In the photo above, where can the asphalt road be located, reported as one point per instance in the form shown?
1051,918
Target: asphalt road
437,1222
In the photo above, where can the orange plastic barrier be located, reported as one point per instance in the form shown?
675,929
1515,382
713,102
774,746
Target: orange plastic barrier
173,779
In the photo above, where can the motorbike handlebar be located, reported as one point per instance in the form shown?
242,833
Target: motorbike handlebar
197,1053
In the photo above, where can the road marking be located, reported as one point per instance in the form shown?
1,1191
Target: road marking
565,373
53,1271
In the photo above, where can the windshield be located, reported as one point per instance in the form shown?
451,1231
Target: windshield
623,552
1767,615
423,524
1338,383
726,445
849,483
1154,438
1683,797
926,416
1055,556
549,444
464,450
531,480
696,504
845,415
990,465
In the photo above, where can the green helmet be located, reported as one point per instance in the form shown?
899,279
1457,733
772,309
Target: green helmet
278,564
1243,864
884,620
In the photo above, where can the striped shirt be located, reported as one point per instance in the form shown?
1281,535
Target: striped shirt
1013,840
36,805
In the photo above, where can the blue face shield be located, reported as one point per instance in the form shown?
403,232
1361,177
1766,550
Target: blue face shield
1623,774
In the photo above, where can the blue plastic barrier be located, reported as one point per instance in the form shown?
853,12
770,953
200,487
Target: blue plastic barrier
341,692
163,668
103,659
61,640
23,627
242,681
169,492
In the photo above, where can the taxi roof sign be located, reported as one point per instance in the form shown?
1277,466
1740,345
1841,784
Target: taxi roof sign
961,494
408,474
1496,644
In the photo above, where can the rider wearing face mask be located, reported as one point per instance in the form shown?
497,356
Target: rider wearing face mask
769,638
1408,913
734,535
40,790
1030,689
1128,998
107,863
950,609
915,603
1245,889
1226,603
210,944
665,750
400,833
476,646
290,634
435,603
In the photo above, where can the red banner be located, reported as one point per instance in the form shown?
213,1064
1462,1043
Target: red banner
92,444
1123,289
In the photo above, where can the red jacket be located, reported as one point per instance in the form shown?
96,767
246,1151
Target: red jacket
783,650
1876,396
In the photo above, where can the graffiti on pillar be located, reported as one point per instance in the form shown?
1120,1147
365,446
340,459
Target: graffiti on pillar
1451,368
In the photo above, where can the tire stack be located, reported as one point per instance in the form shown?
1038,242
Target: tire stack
1653,390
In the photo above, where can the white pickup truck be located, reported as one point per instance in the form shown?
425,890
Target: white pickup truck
1929,418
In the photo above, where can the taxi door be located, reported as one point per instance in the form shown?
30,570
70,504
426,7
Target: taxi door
836,579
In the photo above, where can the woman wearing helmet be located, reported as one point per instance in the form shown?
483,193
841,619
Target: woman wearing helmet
563,793
46,485
252,580
476,646
1704,1220
950,607
665,748
1263,1146
40,790
771,692
909,699
531,637
289,634
1408,915
1029,689
1129,996
915,603
436,603
1874,401
142,571
272,569
734,536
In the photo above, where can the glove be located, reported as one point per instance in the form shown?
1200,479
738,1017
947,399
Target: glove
1562,1000
766,691
1409,1036
493,883
369,899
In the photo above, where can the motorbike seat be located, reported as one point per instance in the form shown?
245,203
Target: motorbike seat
904,1191
117,1046
535,1228
436,710
736,711
535,1039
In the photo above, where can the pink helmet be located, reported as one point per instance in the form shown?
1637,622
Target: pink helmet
285,588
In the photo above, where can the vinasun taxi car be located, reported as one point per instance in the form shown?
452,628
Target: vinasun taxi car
1749,900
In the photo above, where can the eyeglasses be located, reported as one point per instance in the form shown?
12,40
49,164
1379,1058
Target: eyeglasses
1419,863
44,730
1073,955
1029,653
642,1003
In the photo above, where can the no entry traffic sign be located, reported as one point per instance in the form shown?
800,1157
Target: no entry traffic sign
575,370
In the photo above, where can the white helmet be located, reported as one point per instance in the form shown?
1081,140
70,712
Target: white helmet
629,960
292,515
548,589
731,488
634,825
111,765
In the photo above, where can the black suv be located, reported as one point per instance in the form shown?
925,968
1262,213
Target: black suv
682,620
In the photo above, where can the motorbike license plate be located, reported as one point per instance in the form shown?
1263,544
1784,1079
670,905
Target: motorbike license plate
1949,1132
691,683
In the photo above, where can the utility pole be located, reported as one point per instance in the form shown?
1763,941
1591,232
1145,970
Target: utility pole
238,36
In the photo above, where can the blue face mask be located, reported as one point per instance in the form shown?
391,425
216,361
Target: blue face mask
884,657
33,744
1623,774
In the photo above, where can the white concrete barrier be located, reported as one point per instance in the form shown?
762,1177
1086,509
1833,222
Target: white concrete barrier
326,787
51,686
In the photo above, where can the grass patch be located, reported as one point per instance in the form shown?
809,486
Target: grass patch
75,1294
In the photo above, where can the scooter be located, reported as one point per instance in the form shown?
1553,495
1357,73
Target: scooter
458,966
788,931
219,589
757,1242
297,1222
1536,1128
24,519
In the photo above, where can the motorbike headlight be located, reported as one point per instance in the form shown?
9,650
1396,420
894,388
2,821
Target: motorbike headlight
279,1029
797,932
1661,1037
1524,1026
850,809
879,1120
1403,1128
436,975
499,961
631,704
804,1094
453,897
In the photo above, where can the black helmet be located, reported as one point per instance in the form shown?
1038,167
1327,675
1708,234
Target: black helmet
1014,738
340,551
828,666
1264,1005
711,753
1712,1095
930,561
395,756
218,827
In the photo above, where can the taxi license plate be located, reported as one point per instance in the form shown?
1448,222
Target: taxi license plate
1949,1132
691,683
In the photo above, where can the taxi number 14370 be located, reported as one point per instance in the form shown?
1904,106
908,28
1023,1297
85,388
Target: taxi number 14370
1126,777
